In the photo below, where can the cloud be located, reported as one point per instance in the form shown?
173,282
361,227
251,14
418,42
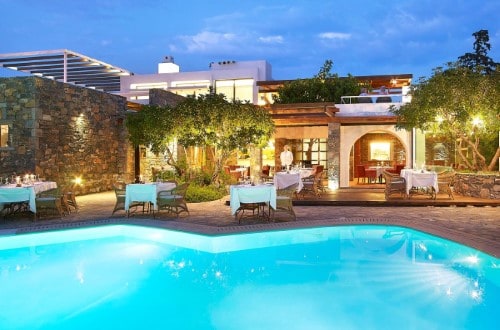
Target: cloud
335,35
206,41
271,39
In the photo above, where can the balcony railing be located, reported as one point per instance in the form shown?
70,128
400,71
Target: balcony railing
375,98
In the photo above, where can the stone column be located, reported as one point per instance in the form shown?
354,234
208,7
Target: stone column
333,156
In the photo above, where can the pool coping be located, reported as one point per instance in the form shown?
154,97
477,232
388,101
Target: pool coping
491,247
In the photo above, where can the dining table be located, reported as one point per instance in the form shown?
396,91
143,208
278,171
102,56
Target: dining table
145,192
285,179
380,170
251,194
12,193
420,179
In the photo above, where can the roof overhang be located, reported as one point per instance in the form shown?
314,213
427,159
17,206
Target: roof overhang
366,120
303,114
390,80
67,66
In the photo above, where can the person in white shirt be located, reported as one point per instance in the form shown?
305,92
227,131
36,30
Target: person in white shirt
286,157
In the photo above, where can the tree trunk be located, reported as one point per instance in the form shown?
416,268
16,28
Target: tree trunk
494,161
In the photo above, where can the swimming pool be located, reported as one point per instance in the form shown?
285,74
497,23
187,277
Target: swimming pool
348,277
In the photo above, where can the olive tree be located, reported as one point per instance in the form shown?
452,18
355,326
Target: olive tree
203,121
210,120
461,102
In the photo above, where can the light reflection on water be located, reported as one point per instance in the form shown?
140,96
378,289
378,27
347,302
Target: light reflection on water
348,277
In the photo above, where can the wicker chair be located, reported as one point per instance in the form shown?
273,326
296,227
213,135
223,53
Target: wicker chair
311,185
284,198
120,190
445,183
394,184
173,200
49,200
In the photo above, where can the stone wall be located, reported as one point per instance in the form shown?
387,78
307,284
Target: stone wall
18,110
476,185
61,132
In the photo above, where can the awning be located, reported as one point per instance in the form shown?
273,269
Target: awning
67,66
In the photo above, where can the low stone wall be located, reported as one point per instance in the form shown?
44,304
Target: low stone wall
477,185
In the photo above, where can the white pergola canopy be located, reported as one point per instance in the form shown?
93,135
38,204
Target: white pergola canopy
67,66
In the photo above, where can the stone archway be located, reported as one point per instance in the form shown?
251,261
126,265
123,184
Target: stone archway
350,134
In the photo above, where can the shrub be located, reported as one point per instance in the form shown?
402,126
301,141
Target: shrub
197,193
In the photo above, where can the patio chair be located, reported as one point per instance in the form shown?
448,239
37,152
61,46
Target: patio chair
445,183
394,184
49,200
120,192
311,184
322,188
68,200
284,199
173,200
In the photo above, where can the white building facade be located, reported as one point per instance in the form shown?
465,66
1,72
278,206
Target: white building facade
235,79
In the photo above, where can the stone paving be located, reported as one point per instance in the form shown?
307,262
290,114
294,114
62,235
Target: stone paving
478,227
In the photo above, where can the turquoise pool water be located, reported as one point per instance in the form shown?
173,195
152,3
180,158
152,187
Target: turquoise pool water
349,277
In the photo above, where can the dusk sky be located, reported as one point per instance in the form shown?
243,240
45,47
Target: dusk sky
294,36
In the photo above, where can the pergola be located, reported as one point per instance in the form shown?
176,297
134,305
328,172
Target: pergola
67,66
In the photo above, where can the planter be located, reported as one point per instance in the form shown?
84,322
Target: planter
486,186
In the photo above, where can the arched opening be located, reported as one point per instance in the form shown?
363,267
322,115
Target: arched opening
372,146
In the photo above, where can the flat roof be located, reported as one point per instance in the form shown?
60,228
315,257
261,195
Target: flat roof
67,66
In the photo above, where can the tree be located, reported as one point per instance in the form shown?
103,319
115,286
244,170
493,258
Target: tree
459,103
479,60
323,87
210,120
204,121
156,127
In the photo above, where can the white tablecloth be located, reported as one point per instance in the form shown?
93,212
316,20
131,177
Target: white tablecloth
283,180
305,172
380,169
252,194
12,194
416,178
137,192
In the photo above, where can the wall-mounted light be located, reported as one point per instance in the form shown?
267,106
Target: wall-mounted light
78,180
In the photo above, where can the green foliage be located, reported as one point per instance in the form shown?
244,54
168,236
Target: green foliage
479,60
461,104
152,126
323,87
198,194
202,121
201,178
210,120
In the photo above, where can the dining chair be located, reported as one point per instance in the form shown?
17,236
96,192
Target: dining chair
68,199
393,184
120,191
284,201
311,185
49,200
173,200
445,182
366,174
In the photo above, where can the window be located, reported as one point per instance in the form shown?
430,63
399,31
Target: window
311,151
4,136
235,89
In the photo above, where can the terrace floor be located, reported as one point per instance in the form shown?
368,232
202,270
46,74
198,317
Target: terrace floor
471,221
